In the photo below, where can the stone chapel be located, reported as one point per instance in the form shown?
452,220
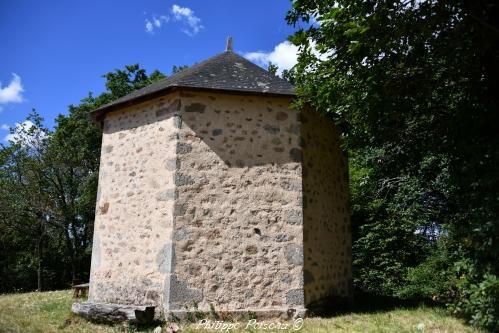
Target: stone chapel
214,193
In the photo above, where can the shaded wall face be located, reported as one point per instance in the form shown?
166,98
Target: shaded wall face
327,232
238,215
133,224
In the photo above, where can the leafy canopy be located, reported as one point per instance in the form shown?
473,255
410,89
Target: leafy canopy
413,86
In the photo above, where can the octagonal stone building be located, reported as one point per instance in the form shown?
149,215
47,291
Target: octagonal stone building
215,194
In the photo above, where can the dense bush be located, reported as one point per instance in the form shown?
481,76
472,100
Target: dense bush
476,297
413,87
432,279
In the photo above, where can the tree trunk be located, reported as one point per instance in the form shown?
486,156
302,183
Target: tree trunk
39,275
70,250
39,266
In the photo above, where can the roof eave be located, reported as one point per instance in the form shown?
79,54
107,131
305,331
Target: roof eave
99,113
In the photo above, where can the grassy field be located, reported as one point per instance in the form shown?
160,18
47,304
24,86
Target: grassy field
50,312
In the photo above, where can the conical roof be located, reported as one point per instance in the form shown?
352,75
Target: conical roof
226,71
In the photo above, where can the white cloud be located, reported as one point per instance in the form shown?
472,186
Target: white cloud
13,92
156,22
18,129
5,127
284,55
149,26
191,24
26,133
186,16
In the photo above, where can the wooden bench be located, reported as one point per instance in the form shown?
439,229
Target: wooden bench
80,290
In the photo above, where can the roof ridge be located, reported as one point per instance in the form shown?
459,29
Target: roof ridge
192,68
181,73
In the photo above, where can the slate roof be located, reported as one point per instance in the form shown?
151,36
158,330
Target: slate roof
226,71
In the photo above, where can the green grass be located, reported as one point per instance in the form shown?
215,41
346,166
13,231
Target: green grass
50,312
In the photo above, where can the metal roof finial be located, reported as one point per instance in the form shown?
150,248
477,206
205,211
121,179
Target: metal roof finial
229,44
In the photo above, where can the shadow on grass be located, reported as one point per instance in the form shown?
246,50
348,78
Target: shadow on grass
364,303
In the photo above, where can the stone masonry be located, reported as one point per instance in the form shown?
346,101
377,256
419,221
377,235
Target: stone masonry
217,199
201,203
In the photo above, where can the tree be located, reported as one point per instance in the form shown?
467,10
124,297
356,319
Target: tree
413,86
25,202
122,82
272,68
48,192
289,75
73,165
178,69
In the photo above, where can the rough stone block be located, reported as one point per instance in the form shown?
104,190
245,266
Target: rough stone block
112,313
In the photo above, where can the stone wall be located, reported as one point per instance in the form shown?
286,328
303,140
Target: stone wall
201,205
134,213
238,218
327,232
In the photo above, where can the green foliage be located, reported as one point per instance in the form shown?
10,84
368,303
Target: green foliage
48,192
289,75
393,223
178,69
476,296
413,87
432,279
272,69
122,82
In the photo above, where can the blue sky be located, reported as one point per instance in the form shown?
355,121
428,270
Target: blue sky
55,52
